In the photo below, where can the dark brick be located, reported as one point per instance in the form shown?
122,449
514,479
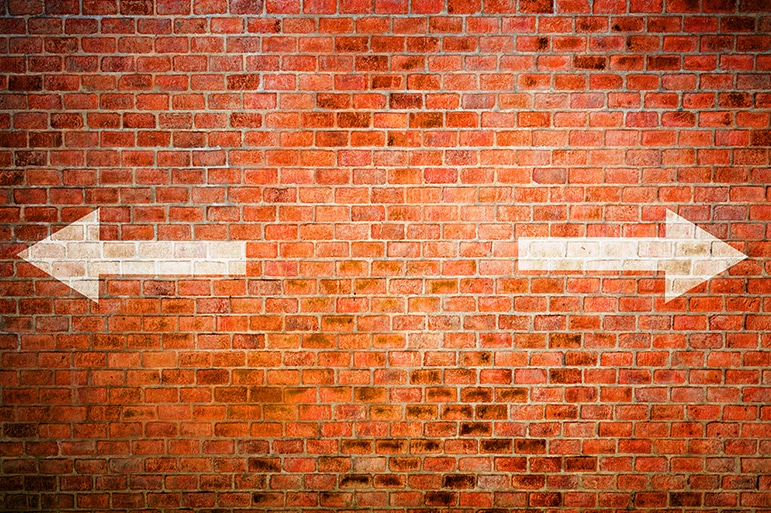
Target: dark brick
461,481
492,412
245,6
425,376
9,177
425,412
536,6
265,394
243,82
425,446
475,429
530,446
264,465
62,7
20,430
355,481
529,481
760,138
441,498
333,101
25,83
564,340
495,446
386,82
30,158
545,499
457,411
686,499
596,62
476,395
268,499
391,446
581,464
45,139
754,6
664,62
40,483
356,446
563,376
136,7
426,120
440,394
354,119
738,24
511,395
406,101
388,481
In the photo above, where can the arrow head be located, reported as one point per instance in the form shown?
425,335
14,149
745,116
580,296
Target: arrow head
696,256
67,255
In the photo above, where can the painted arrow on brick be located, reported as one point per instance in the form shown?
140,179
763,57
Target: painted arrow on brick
688,255
76,256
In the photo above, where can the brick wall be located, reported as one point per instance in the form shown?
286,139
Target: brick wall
381,159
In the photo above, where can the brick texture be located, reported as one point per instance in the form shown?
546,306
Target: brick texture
383,351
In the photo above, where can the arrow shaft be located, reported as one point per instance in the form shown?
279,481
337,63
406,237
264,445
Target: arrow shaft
171,258
596,253
90,259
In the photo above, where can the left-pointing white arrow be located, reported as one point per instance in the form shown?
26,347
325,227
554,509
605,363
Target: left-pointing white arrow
76,256
688,255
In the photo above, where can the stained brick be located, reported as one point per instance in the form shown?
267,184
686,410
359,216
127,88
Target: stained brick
459,481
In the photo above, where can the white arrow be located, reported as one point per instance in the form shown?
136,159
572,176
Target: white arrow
688,255
76,256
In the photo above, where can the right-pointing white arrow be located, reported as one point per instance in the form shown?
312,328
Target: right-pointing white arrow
688,255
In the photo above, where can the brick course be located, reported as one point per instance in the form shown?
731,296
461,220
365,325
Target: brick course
384,352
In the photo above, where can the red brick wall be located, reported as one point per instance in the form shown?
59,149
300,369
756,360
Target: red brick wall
384,351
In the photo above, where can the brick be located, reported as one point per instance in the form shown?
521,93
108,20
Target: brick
380,169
